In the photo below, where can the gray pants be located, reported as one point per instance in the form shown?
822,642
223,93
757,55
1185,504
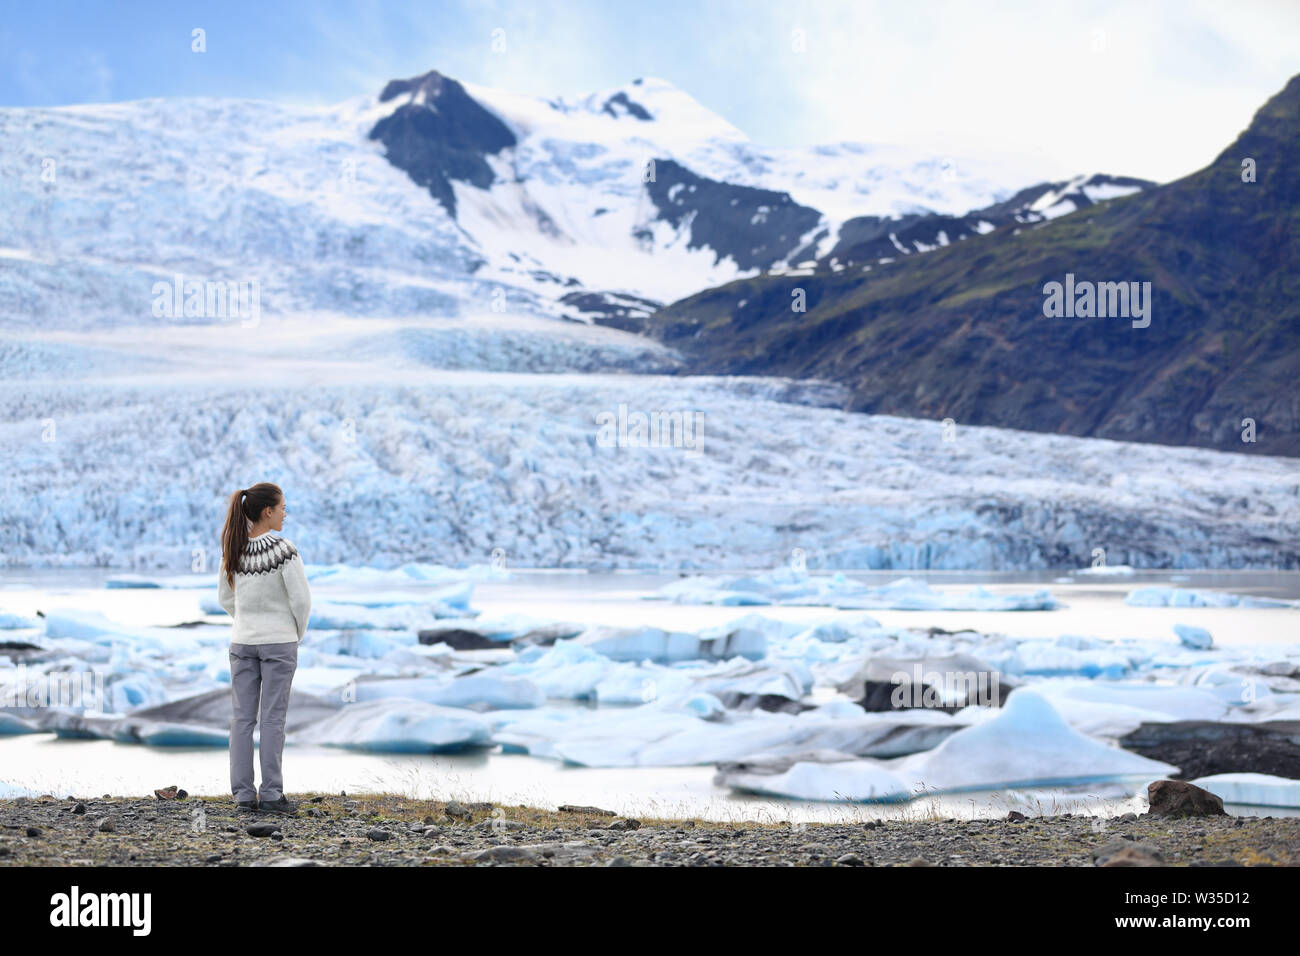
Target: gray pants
260,676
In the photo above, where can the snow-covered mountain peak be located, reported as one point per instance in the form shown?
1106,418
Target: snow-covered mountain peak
648,107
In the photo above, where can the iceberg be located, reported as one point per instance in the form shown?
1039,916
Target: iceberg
1026,744
1186,597
472,692
656,644
398,725
1254,789
673,732
1197,638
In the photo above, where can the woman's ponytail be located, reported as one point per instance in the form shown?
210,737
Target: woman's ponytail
245,507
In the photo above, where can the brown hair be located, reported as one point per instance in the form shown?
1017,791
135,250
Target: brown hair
245,506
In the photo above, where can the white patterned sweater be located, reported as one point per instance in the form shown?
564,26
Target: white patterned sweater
270,601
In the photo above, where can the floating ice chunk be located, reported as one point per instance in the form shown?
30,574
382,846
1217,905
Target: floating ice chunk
531,731
13,622
705,706
1061,657
327,682
454,596
1186,597
655,644
798,588
1027,744
1197,638
165,734
565,670
851,781
772,629
1267,707
178,721
784,678
122,581
398,725
667,733
1108,571
838,632
841,708
403,576
887,682
13,724
1111,709
359,643
472,692
1254,789
331,616
626,683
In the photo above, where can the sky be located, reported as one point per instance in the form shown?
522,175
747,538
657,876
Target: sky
1150,88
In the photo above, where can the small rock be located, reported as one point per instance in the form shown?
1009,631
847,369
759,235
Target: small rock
456,811
378,834
106,825
294,861
619,861
1178,798
849,859
1015,816
496,824
571,808
79,808
505,854
261,829
1127,853
917,861
621,823
166,793
33,831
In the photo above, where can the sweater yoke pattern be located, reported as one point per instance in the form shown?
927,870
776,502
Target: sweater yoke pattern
265,555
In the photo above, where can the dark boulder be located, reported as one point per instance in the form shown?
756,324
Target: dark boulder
1178,798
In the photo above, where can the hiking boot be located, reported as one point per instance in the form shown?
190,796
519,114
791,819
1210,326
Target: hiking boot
246,805
281,805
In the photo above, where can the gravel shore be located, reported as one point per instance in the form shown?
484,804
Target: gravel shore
390,830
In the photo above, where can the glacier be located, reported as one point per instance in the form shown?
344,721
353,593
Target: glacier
451,467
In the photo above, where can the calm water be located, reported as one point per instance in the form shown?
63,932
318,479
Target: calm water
1094,607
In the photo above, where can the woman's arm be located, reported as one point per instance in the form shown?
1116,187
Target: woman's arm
224,594
295,582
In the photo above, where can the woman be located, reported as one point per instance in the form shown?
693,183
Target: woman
263,586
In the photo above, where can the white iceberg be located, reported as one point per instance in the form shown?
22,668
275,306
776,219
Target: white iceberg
472,692
398,725
671,733
1186,597
1026,744
1254,789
